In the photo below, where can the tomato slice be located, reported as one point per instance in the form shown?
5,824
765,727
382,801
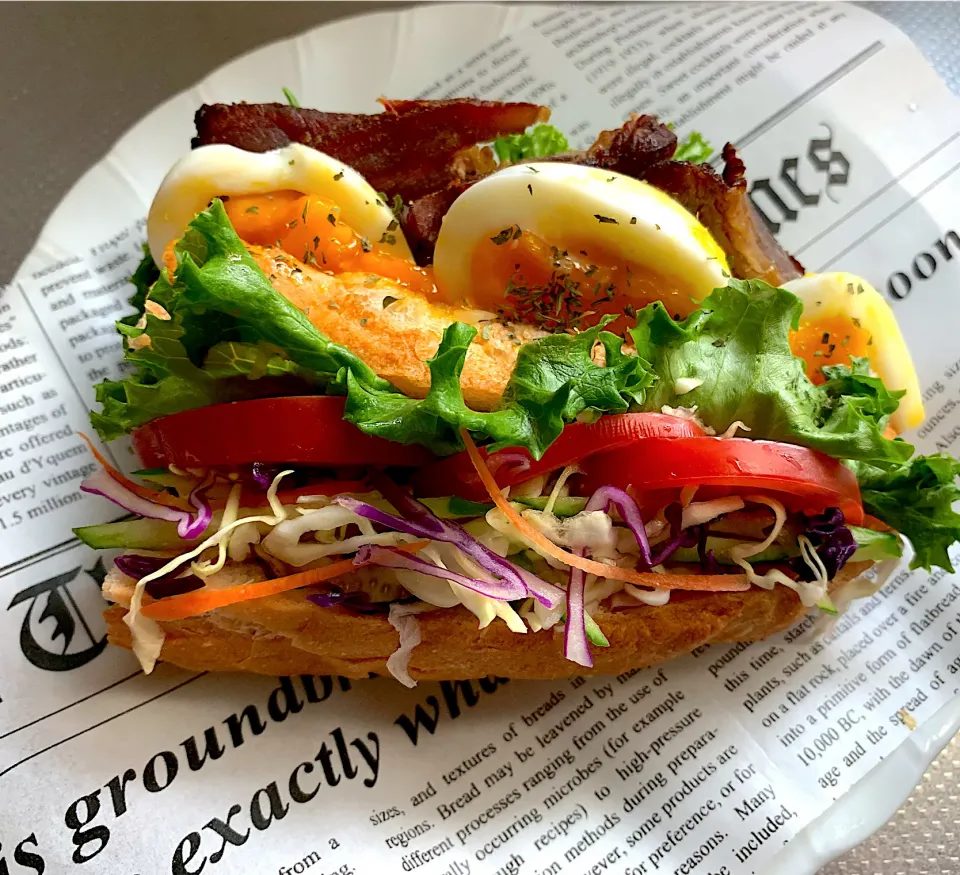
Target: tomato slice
803,479
297,430
456,475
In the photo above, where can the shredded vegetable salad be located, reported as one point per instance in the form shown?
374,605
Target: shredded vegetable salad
537,559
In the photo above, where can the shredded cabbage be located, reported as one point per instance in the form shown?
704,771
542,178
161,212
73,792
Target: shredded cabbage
588,530
699,512
733,428
230,513
557,490
146,634
243,538
402,618
284,541
683,385
655,597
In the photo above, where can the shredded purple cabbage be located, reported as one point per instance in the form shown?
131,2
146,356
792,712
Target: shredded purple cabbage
832,540
332,596
508,462
194,526
189,525
136,566
419,521
679,537
263,474
629,513
388,557
576,647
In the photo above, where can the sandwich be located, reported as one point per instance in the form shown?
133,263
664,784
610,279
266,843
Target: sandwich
429,393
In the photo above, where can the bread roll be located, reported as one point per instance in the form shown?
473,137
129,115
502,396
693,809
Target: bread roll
286,634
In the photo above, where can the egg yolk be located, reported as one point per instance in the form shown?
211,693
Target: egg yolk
830,340
309,228
526,279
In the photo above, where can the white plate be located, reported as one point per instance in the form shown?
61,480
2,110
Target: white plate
396,46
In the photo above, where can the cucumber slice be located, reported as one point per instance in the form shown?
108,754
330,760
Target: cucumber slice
166,480
563,507
773,553
143,534
452,508
827,606
594,634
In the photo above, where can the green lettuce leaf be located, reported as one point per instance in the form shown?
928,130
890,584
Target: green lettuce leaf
225,335
230,335
554,380
917,500
541,141
146,274
853,384
738,345
694,148
872,546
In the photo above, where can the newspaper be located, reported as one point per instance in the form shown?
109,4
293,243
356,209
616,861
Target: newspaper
709,764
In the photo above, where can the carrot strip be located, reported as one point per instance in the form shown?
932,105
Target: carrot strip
697,582
137,489
200,601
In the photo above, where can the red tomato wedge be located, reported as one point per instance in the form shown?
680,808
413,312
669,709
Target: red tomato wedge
577,441
297,430
803,479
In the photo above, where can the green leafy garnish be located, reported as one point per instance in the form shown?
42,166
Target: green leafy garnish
146,274
873,545
554,379
853,384
738,345
229,329
916,499
541,141
694,148
225,321
291,98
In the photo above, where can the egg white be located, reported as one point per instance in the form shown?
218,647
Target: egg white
212,171
616,214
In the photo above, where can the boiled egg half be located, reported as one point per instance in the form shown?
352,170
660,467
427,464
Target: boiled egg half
561,244
844,316
292,172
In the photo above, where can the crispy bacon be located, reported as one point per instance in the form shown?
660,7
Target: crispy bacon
721,203
421,219
409,149
638,144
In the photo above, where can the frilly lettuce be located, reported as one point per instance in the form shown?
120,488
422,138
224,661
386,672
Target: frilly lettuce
917,500
738,345
230,335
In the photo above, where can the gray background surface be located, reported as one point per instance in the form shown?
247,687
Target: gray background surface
77,75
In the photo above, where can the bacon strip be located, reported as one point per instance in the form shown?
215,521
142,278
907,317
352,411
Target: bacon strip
722,204
409,149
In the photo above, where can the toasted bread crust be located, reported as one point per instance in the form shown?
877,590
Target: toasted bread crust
286,634
397,341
